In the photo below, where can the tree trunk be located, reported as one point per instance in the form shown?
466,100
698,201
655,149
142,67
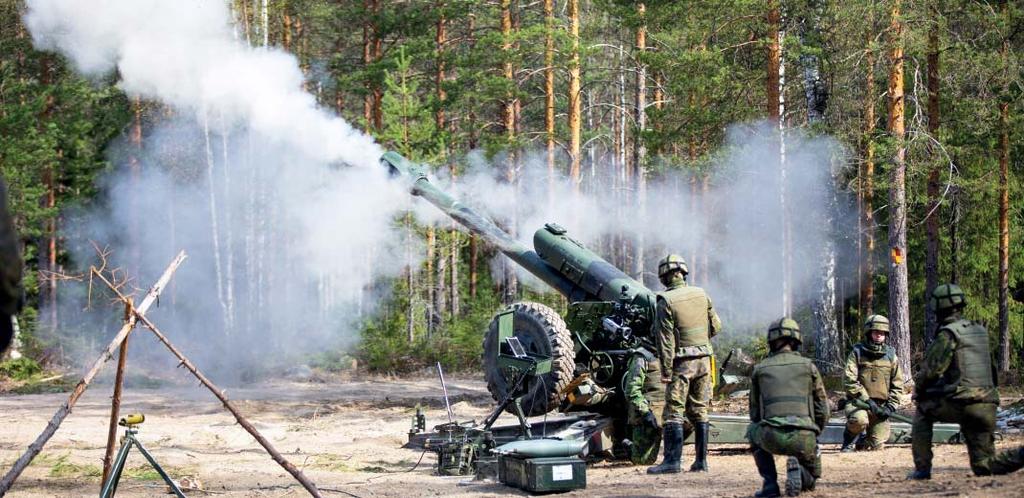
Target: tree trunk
510,288
867,179
549,94
575,105
931,264
1004,210
899,299
368,111
828,342
639,143
776,82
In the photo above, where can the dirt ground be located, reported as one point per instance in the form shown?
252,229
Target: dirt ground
346,435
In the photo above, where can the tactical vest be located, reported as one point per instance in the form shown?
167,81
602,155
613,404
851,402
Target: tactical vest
874,370
972,366
785,382
689,308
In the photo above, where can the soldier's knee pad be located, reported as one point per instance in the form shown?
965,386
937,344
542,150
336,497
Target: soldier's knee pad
857,422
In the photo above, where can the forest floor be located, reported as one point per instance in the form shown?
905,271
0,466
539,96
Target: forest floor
346,434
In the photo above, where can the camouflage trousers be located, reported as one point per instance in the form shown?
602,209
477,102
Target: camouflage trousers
646,439
646,443
799,443
977,425
689,392
858,420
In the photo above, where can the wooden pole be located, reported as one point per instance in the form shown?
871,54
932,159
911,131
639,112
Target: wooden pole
62,413
115,402
184,361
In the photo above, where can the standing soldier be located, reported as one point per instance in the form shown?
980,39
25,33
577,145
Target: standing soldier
685,324
10,272
956,384
874,386
788,409
645,395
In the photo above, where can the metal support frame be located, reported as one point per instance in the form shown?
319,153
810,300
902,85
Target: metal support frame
110,487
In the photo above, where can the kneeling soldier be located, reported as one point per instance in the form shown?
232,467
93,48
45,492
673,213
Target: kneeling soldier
645,395
788,409
956,384
874,386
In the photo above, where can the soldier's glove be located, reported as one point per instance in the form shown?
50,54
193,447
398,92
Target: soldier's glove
876,410
650,420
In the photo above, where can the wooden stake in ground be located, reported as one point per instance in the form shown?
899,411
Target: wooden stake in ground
284,463
115,401
62,413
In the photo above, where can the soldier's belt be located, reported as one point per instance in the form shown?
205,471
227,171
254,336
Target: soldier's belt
693,352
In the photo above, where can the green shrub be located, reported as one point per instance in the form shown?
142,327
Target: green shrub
20,369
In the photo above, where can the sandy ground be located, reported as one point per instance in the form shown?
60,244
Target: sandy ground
346,435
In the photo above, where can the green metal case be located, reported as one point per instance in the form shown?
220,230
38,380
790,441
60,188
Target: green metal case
542,475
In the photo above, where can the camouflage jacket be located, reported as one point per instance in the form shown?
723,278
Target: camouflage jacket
852,376
665,326
938,359
641,377
10,260
820,411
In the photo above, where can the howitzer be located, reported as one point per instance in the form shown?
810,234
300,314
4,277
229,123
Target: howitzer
608,310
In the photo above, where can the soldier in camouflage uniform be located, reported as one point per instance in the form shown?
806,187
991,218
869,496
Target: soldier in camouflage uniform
10,272
645,396
873,378
956,384
685,323
788,409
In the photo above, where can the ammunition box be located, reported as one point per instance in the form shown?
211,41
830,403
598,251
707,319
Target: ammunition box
542,475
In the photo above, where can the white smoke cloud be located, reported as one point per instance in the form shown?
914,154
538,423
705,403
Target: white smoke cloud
285,211
282,206
737,223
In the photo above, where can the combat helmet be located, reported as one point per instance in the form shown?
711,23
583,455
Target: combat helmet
670,263
876,322
784,327
948,297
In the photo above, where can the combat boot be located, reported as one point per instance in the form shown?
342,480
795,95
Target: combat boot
807,479
920,475
766,468
794,477
670,463
700,463
848,440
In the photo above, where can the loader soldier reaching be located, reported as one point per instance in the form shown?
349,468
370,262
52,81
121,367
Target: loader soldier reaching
645,396
788,409
10,272
874,387
955,383
685,323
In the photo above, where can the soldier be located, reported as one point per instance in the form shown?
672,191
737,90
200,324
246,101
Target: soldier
788,409
10,272
645,395
874,386
685,323
955,383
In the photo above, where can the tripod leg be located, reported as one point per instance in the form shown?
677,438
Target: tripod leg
110,487
160,470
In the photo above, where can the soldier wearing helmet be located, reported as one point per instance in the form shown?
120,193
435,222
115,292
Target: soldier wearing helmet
874,387
788,409
645,398
685,323
956,383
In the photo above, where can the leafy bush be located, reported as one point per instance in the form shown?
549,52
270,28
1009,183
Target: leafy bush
20,369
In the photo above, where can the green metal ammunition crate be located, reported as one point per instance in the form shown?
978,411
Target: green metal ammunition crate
542,475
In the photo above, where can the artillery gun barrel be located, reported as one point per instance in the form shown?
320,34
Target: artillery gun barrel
416,174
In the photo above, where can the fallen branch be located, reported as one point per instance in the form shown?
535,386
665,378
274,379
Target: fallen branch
62,413
185,362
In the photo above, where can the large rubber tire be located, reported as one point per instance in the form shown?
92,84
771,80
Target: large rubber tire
541,331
